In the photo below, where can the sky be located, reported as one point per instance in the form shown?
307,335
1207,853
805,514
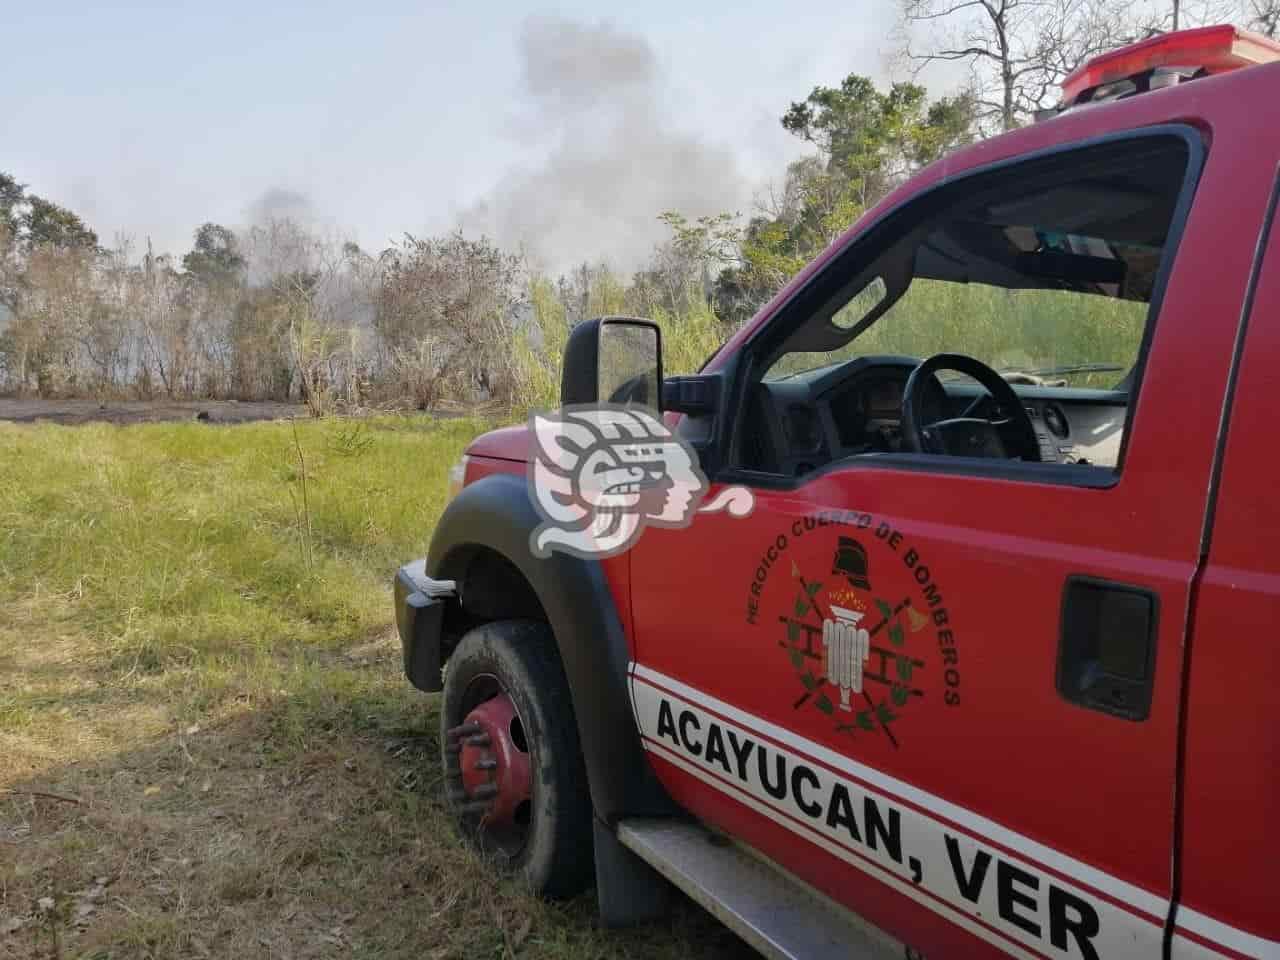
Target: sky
560,129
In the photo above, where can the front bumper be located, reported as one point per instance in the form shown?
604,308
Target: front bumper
420,603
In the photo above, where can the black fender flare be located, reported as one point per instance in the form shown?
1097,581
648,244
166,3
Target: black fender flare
495,513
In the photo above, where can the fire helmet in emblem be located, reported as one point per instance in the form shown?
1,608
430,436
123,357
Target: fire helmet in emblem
851,561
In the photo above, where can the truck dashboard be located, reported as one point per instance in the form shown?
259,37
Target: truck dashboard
805,421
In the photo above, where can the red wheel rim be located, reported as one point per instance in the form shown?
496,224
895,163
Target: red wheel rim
492,776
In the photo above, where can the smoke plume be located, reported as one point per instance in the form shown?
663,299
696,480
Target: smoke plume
281,203
593,95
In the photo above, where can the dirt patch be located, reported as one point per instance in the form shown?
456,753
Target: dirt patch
72,412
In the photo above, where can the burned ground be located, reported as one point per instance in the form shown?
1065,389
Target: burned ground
72,412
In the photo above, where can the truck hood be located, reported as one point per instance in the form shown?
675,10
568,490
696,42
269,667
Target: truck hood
508,443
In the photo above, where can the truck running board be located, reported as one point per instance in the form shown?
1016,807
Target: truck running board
771,910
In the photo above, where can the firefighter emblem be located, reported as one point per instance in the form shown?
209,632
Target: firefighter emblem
850,647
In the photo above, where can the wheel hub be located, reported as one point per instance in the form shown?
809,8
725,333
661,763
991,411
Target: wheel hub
493,762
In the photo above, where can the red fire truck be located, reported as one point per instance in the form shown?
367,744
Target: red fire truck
990,667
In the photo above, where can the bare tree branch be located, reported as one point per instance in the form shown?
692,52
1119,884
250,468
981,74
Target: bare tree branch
1018,50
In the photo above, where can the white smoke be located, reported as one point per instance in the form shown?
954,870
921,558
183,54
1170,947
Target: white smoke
281,203
593,100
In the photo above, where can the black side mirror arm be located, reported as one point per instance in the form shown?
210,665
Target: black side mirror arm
697,395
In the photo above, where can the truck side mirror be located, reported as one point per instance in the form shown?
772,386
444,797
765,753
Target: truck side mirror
613,360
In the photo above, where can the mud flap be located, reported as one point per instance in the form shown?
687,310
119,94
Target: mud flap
628,890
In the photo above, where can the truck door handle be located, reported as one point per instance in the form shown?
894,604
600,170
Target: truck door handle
1107,646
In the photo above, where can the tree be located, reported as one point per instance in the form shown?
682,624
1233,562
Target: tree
1017,51
872,139
215,256
12,195
166,324
213,276
457,297
868,142
706,242
681,272
106,333
56,306
297,322
12,198
35,222
46,287
46,224
1264,17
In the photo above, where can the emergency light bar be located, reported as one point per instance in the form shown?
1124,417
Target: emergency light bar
1172,57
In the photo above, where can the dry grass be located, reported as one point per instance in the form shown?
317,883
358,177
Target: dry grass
207,748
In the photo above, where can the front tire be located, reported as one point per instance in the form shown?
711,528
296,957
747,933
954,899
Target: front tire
515,780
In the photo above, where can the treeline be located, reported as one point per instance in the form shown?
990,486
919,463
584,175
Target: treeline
283,311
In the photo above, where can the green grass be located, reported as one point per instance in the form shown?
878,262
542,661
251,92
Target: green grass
212,685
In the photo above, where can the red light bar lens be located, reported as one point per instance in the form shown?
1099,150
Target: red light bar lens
1212,49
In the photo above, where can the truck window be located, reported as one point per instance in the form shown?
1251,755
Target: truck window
1051,338
1048,276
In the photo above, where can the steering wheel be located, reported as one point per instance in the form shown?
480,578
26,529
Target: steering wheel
1008,435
